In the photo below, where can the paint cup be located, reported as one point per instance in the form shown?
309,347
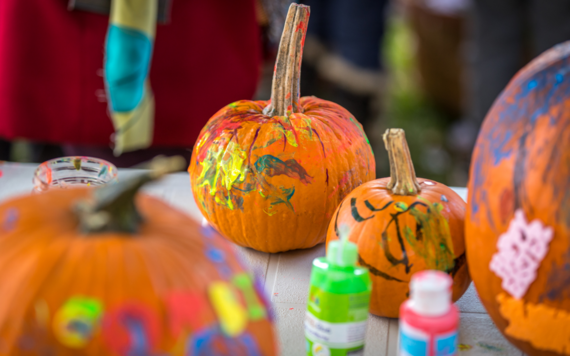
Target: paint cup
73,172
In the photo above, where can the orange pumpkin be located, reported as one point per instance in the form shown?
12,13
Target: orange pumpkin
518,219
403,225
150,284
268,175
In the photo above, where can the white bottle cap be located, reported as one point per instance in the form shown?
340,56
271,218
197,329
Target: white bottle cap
430,293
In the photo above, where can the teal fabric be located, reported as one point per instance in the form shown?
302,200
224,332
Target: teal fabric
127,65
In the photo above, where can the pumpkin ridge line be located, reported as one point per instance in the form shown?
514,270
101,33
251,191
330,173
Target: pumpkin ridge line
336,219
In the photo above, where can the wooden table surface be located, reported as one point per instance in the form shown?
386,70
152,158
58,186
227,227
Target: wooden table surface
286,278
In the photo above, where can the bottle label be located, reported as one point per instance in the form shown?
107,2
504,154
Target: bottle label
335,324
415,342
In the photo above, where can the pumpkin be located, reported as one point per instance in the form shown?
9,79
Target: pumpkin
113,272
518,218
269,174
403,225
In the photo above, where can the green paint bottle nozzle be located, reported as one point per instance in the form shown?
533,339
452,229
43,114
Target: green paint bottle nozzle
342,253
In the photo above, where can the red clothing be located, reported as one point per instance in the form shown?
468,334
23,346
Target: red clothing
51,84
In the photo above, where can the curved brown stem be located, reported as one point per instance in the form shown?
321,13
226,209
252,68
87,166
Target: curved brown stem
402,174
113,209
285,92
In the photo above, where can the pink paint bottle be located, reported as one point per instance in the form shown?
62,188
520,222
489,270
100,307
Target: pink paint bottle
429,320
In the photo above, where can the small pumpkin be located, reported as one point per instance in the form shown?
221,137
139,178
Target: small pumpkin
122,277
518,217
403,225
269,174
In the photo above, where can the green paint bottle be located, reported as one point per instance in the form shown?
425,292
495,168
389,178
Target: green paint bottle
339,296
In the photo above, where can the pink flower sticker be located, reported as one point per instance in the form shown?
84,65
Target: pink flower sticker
520,252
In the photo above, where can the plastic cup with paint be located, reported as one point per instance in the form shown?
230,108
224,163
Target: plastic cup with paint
72,172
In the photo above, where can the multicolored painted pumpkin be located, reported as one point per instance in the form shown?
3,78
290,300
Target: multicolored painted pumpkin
518,219
403,225
124,286
268,175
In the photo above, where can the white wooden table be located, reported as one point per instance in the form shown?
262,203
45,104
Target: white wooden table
286,278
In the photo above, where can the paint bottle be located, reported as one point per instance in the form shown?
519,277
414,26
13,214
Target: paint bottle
339,298
429,320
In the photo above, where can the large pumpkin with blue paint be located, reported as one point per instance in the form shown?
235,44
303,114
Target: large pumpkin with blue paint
269,174
518,220
403,225
86,272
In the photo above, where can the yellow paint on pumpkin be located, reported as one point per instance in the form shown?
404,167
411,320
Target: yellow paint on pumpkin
544,327
231,314
290,138
233,167
77,311
203,140
436,245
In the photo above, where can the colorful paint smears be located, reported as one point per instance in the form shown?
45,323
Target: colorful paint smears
520,252
546,328
430,240
75,321
131,329
231,314
205,343
488,347
135,328
240,150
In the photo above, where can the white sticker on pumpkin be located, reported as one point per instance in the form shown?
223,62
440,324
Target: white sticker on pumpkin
520,252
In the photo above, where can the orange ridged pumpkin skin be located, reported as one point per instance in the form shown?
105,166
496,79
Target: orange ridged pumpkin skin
156,281
373,215
269,174
273,183
521,163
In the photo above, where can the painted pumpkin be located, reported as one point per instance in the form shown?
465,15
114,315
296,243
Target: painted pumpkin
122,286
269,174
518,219
403,225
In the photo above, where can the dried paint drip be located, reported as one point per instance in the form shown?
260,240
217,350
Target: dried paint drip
464,347
520,251
489,347
544,327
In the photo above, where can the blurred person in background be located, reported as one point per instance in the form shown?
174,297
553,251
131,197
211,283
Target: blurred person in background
205,55
342,59
504,36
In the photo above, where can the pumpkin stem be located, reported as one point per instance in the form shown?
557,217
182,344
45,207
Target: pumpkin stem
402,174
285,91
112,207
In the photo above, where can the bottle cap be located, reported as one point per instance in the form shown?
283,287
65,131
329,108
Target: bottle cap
430,293
342,252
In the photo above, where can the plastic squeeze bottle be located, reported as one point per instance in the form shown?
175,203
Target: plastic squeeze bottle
429,320
339,297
